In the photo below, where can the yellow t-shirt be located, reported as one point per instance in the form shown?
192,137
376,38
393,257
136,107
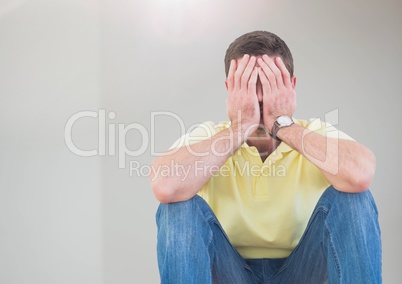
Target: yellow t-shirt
264,208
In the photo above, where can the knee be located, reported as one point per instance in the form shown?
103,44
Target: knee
177,209
183,214
352,222
351,206
354,200
182,223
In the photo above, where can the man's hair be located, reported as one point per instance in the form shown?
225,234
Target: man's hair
259,43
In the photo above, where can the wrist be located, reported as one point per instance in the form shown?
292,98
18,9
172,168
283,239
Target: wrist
280,122
270,121
285,131
240,132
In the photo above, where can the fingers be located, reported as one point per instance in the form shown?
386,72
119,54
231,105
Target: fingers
271,71
275,70
241,65
230,78
242,98
285,72
278,94
245,79
266,86
243,72
252,83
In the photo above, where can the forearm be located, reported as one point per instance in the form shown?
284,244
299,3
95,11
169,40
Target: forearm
191,166
242,108
348,165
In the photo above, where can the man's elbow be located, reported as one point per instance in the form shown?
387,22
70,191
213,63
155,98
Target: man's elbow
363,180
162,192
360,186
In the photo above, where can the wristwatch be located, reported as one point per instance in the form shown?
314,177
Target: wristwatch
280,122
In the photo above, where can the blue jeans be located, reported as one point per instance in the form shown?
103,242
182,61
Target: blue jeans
341,244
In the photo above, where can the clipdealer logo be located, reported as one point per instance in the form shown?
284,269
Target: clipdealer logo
200,168
116,132
109,133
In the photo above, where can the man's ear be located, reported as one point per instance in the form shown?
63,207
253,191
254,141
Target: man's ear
294,82
226,84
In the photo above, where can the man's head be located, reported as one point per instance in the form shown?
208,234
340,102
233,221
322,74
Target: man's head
259,43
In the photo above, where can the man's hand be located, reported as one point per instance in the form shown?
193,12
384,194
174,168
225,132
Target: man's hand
242,102
347,165
279,96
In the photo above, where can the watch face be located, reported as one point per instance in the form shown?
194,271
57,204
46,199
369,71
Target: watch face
284,121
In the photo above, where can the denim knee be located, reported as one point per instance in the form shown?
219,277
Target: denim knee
357,204
184,242
185,222
352,236
184,209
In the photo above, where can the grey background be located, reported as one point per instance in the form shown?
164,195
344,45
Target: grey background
71,219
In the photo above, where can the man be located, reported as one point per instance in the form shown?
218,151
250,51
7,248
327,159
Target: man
267,198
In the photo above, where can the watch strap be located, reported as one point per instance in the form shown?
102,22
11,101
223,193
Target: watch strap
275,129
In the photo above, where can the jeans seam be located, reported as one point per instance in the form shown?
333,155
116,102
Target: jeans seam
372,202
336,259
214,221
313,216
207,220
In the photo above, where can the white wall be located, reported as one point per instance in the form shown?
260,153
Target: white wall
70,219
50,199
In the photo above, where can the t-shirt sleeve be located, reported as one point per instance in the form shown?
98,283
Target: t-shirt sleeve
199,133
327,129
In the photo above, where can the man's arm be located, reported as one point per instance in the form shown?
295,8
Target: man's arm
191,166
243,112
348,165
